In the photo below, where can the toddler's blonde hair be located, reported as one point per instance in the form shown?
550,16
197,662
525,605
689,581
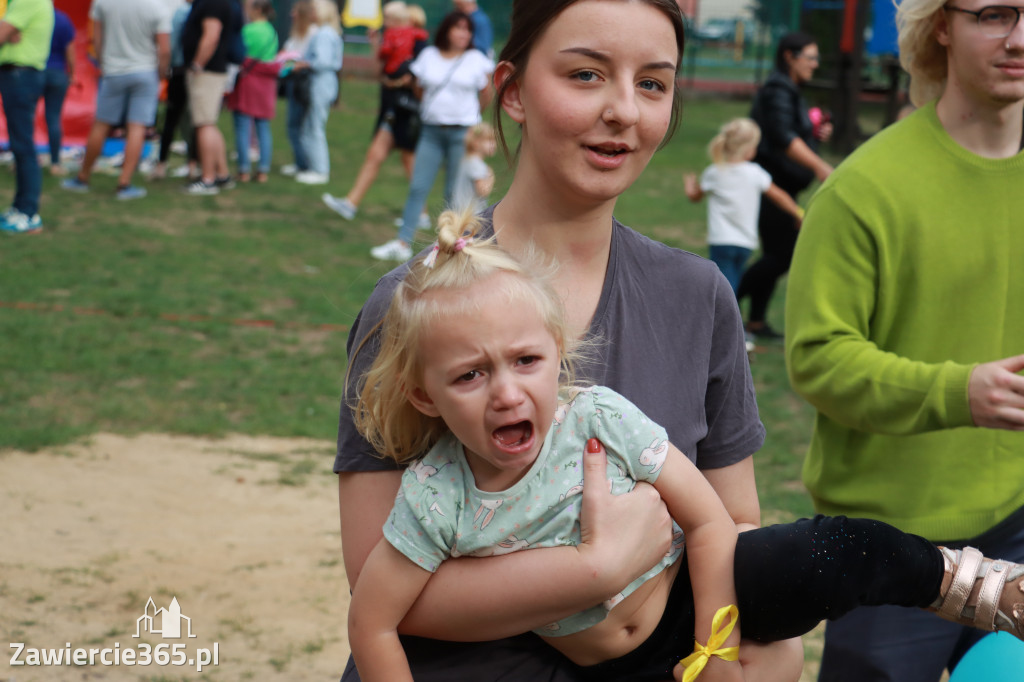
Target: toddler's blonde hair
396,11
481,131
733,140
417,17
460,261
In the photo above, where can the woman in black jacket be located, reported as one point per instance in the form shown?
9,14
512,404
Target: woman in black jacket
787,152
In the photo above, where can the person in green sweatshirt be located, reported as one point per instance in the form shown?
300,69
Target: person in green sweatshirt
905,323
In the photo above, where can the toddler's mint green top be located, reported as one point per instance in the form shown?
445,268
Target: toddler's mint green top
908,272
440,513
34,19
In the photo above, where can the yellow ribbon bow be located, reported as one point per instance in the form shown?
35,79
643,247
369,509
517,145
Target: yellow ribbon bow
695,662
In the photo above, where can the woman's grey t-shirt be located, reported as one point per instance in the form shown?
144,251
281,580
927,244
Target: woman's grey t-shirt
670,339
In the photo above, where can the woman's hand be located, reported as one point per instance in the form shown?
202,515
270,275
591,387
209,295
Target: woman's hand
824,131
625,534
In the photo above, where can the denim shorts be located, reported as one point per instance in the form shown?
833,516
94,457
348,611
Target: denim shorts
128,98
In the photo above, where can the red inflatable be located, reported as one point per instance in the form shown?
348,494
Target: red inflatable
81,98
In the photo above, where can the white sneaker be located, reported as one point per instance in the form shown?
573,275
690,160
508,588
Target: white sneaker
423,224
179,172
393,250
311,178
289,169
343,207
16,222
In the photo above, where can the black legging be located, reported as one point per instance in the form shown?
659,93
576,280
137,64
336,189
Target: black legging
789,577
175,110
778,239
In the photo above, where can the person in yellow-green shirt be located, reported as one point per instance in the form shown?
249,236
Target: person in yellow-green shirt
905,324
25,32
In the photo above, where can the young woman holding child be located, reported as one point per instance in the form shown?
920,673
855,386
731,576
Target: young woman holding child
476,366
591,83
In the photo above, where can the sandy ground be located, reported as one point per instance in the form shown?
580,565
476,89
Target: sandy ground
242,531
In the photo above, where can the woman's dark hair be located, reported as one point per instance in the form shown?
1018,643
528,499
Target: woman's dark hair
791,44
530,18
441,40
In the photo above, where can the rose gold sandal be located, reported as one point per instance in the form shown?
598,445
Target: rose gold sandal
984,593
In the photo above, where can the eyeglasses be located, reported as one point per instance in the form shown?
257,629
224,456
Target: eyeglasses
995,21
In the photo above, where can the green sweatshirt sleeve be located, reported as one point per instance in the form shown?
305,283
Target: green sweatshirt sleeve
847,351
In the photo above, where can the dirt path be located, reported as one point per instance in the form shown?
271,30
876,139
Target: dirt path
242,531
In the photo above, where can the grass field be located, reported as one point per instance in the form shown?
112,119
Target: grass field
228,314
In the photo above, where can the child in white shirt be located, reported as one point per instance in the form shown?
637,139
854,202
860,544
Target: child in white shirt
734,185
475,179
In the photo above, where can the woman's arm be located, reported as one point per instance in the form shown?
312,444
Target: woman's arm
69,61
801,153
735,487
390,586
486,95
623,536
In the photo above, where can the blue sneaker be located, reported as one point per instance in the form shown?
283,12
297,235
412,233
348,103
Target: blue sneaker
130,192
16,222
73,184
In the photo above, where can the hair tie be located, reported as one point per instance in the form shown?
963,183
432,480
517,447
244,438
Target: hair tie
459,245
431,258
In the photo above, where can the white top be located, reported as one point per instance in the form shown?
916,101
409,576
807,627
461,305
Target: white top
464,194
734,202
129,31
451,99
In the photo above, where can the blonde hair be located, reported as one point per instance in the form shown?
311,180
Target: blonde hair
306,13
417,17
481,131
921,55
327,14
396,11
733,140
461,261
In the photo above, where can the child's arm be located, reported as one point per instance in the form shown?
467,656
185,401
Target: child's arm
782,199
692,187
483,186
387,588
710,547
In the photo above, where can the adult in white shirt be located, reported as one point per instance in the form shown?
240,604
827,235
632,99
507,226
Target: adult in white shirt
453,81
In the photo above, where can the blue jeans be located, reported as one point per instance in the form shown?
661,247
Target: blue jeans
243,129
20,89
437,145
731,260
896,644
55,88
293,125
314,134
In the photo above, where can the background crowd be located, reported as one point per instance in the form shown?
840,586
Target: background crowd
176,72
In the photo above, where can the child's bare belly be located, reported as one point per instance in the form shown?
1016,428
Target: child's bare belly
628,625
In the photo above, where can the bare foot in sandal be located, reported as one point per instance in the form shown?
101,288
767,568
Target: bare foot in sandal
244,177
261,177
984,593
